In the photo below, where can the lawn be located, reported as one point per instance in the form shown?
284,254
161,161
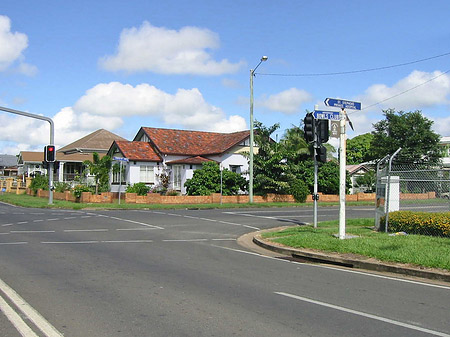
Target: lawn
427,251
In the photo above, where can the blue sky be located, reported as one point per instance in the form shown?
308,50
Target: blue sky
185,64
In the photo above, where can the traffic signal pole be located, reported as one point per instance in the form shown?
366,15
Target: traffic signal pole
52,142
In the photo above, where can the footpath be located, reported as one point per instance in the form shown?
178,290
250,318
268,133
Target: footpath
255,242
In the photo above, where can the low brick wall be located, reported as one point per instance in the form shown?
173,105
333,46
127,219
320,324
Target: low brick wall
417,196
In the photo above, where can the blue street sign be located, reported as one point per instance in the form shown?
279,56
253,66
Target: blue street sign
121,159
340,103
331,115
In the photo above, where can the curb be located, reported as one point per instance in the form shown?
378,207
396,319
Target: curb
354,261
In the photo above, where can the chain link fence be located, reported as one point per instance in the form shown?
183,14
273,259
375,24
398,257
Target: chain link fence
412,187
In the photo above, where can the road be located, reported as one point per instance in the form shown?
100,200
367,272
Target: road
182,273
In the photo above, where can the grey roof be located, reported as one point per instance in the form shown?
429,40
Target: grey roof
97,141
7,160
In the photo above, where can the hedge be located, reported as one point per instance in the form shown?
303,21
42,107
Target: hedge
435,224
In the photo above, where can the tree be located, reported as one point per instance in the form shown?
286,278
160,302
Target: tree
207,180
367,181
409,130
100,169
358,149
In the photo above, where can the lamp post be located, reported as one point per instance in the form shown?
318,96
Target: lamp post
250,183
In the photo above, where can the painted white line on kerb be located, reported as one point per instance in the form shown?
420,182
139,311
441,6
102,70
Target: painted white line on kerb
40,322
16,320
363,314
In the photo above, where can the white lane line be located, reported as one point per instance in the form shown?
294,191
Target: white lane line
135,229
363,314
230,239
16,320
53,219
127,241
173,214
4,233
27,232
185,240
38,220
67,242
238,224
22,222
86,230
70,217
7,224
336,269
13,243
34,213
40,322
85,216
132,221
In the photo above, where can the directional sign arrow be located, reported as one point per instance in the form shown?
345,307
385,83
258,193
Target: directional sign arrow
340,103
331,115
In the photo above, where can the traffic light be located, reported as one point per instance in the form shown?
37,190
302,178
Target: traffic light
323,132
321,154
308,127
49,154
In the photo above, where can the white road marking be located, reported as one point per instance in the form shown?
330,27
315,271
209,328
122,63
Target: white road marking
22,222
16,320
238,224
86,230
126,220
13,243
38,220
135,229
185,240
27,232
7,224
53,219
336,269
40,322
4,233
363,314
70,217
127,241
67,242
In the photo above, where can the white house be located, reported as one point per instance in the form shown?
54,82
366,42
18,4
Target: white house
157,153
445,143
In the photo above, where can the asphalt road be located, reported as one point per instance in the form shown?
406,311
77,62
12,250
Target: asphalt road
182,273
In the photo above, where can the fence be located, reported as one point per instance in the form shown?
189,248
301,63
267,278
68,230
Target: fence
411,187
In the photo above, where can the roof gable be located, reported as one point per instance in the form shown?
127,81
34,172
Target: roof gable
137,151
97,141
192,143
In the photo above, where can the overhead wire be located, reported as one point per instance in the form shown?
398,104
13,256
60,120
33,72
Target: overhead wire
355,71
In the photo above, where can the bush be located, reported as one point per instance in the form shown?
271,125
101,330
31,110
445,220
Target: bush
78,189
435,224
172,193
138,188
62,187
39,182
299,190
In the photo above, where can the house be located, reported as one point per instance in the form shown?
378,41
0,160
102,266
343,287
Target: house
356,171
156,154
8,165
31,163
445,143
72,156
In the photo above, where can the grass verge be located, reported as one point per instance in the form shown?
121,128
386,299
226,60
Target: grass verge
420,250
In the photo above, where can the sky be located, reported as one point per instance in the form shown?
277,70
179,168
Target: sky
122,65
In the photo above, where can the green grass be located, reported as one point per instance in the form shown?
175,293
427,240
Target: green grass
433,252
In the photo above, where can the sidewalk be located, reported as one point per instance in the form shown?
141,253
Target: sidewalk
344,260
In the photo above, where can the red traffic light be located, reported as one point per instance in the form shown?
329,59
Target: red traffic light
49,154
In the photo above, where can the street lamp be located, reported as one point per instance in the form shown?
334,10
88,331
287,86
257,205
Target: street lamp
250,183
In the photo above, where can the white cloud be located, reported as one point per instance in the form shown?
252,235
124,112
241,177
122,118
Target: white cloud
287,102
12,46
187,107
435,92
441,126
165,51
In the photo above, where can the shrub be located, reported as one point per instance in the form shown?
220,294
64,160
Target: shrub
138,188
172,193
299,190
435,224
62,187
39,182
78,189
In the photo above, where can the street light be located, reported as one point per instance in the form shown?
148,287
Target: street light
252,74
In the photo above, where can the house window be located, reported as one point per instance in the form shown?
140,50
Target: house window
177,177
235,168
147,174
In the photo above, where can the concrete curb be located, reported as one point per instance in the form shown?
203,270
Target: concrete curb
351,260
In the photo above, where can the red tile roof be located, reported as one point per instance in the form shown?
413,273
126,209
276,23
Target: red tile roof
193,143
139,151
191,160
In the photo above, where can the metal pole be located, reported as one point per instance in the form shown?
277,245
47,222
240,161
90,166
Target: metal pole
52,142
342,174
250,182
120,178
221,189
315,189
